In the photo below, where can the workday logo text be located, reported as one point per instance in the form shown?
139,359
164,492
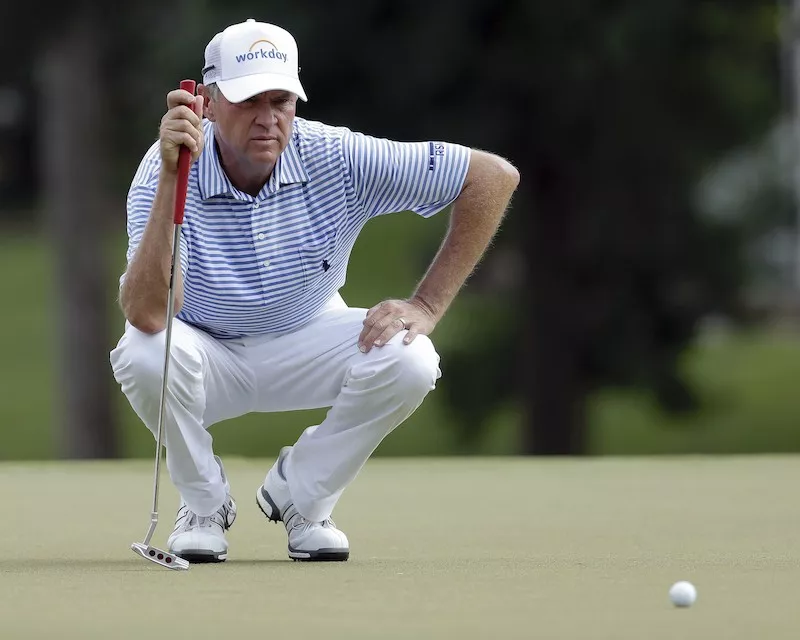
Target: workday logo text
261,49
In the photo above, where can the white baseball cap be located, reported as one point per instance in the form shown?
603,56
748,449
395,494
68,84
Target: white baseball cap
252,57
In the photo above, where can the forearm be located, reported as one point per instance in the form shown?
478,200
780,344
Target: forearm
474,220
144,292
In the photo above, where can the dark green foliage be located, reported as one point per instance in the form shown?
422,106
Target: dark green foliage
612,111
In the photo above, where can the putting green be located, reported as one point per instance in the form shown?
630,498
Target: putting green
454,548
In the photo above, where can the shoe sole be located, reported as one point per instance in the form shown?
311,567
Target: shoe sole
200,556
320,555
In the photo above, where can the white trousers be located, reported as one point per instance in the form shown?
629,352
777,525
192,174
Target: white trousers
317,366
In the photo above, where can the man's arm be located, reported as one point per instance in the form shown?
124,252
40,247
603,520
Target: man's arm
144,292
474,221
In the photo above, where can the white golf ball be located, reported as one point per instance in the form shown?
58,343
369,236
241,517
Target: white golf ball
683,594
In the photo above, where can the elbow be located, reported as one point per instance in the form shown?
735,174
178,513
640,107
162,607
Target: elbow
490,168
149,326
149,321
508,172
514,175
146,323
141,319
144,313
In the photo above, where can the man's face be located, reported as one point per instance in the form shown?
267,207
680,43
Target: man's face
255,131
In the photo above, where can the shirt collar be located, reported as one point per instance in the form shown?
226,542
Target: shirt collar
289,169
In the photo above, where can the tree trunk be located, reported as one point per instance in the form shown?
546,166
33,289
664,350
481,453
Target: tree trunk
73,153
555,421
553,381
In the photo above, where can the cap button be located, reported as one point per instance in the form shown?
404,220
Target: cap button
251,20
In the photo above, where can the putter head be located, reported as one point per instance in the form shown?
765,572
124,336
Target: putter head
168,560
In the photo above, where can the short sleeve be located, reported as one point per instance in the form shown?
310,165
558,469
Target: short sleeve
390,176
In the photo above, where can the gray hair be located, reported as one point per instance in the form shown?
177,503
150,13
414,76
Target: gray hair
213,91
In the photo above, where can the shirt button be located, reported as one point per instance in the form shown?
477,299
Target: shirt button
255,206
261,236
266,263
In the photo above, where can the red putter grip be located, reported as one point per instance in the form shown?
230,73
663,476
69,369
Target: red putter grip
184,161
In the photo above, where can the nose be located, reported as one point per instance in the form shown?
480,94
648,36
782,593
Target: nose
266,116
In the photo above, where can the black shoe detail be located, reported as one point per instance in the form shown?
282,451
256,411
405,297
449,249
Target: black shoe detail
227,510
198,556
320,555
276,513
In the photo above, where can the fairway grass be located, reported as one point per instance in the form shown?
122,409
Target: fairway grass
440,548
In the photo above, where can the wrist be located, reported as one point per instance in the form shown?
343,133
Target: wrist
428,305
166,173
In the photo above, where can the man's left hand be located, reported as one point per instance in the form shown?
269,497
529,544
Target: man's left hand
390,317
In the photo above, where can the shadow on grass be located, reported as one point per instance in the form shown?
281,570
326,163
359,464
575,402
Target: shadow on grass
35,565
93,565
244,562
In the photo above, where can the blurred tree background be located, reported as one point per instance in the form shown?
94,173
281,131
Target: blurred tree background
640,297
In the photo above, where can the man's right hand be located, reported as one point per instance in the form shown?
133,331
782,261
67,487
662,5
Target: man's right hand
181,125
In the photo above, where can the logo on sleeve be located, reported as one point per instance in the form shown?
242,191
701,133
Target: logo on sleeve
435,150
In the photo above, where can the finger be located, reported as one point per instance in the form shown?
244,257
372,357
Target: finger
198,106
172,129
394,327
374,315
200,144
178,125
178,138
178,97
369,333
374,327
176,131
384,330
410,335
373,311
197,134
183,112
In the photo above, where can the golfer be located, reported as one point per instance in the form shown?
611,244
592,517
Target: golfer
274,206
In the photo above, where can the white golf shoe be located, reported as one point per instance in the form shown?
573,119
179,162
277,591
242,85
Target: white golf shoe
309,541
202,538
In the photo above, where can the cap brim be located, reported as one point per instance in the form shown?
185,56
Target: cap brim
244,87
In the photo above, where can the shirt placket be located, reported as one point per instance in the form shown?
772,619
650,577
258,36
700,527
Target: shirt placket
261,242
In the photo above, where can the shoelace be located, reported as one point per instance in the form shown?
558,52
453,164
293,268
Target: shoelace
294,520
192,520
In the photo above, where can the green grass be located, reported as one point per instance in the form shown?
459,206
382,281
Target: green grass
27,342
452,548
28,374
746,381
748,388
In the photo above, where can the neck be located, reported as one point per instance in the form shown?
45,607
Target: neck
244,175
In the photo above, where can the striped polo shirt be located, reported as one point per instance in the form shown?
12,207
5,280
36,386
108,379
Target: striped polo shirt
269,263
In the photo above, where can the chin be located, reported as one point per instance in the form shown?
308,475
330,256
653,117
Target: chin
263,157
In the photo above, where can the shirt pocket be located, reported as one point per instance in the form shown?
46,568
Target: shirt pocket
318,256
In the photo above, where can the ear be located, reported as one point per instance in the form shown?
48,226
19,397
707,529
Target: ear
208,103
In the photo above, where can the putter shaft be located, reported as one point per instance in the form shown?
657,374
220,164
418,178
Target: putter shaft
176,247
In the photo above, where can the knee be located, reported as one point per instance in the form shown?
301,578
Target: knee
138,360
136,357
413,368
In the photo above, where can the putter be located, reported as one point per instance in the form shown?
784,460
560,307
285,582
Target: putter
144,548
